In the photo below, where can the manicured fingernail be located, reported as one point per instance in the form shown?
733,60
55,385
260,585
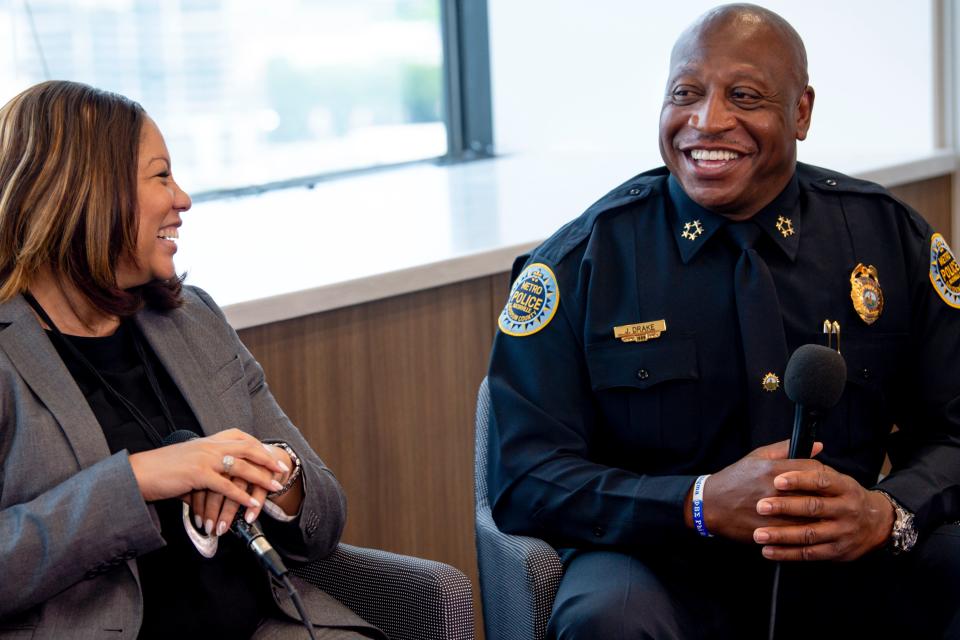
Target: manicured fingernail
761,536
250,516
221,528
267,447
198,521
254,503
276,485
208,527
282,466
764,507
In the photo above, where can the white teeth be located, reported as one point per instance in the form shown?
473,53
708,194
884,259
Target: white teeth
713,154
170,234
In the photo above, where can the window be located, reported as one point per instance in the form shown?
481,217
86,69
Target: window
252,93
595,79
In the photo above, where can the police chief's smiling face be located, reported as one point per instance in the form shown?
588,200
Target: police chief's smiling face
736,104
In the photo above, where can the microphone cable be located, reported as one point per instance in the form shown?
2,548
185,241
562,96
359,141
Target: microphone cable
298,603
252,536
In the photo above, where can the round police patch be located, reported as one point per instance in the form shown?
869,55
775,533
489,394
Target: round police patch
944,271
534,300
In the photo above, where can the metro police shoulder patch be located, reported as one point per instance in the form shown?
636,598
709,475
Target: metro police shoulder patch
534,299
944,271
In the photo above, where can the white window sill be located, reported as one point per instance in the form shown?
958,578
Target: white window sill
295,252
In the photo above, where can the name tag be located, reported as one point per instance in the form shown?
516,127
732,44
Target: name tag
640,332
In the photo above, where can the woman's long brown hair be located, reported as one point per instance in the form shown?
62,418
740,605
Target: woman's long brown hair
68,194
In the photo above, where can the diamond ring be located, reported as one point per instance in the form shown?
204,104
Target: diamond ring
227,463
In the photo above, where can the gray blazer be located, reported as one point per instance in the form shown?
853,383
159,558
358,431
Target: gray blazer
72,520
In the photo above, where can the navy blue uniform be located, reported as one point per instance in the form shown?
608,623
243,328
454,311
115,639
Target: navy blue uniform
595,442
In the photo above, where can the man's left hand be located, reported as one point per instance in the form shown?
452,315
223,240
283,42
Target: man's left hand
840,520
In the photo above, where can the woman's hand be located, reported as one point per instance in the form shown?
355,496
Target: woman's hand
216,513
180,469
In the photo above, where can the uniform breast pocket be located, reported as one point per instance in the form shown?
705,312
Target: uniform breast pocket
863,418
648,393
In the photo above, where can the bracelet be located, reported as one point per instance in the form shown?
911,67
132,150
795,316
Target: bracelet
294,473
698,506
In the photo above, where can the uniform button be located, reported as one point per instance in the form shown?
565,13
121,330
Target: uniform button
634,191
598,532
865,373
643,374
830,182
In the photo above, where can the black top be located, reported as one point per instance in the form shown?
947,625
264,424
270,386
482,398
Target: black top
185,595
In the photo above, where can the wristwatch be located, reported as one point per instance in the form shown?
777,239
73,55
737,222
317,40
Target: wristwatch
294,473
904,534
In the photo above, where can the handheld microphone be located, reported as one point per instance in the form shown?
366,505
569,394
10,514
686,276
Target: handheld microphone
814,380
251,534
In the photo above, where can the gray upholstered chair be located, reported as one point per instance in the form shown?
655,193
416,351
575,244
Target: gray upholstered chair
519,575
407,598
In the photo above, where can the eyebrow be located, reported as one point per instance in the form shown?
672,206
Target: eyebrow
161,158
751,73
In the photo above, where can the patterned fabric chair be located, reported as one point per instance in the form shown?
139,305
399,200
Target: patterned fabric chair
519,575
407,598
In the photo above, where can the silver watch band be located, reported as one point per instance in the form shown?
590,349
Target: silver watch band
294,473
903,536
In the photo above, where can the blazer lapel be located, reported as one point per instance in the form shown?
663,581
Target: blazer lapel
31,352
186,366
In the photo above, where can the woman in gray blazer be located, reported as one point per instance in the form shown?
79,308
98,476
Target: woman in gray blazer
106,529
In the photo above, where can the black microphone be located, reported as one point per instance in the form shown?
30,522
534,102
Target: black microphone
814,380
251,534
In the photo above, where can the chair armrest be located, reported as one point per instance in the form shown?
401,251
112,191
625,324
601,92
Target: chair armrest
407,598
519,577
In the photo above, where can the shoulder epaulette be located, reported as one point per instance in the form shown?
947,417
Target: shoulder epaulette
576,231
827,181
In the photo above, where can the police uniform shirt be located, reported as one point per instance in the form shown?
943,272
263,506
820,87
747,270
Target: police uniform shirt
596,441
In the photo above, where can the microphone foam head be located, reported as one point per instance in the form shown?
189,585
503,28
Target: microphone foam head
815,377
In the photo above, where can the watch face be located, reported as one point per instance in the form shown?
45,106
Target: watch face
904,534
908,537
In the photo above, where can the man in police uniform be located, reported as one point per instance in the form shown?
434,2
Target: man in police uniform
639,422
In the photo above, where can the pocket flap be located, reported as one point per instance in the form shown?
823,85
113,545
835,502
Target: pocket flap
642,365
871,363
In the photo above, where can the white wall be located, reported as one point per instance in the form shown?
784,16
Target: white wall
590,76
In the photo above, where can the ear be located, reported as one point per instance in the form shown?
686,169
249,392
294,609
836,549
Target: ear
804,112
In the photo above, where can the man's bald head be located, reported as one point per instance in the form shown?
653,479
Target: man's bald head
745,21
737,102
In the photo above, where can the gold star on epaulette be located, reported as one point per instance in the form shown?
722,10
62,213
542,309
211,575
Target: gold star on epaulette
692,230
785,226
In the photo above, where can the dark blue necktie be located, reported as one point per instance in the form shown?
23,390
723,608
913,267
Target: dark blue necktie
764,342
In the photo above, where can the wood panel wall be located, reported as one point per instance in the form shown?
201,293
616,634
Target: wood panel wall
933,199
385,392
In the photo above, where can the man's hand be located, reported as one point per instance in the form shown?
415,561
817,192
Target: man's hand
797,509
841,519
731,495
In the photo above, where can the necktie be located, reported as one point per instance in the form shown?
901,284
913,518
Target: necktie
764,342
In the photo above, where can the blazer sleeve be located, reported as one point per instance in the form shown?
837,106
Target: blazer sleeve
86,525
316,532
